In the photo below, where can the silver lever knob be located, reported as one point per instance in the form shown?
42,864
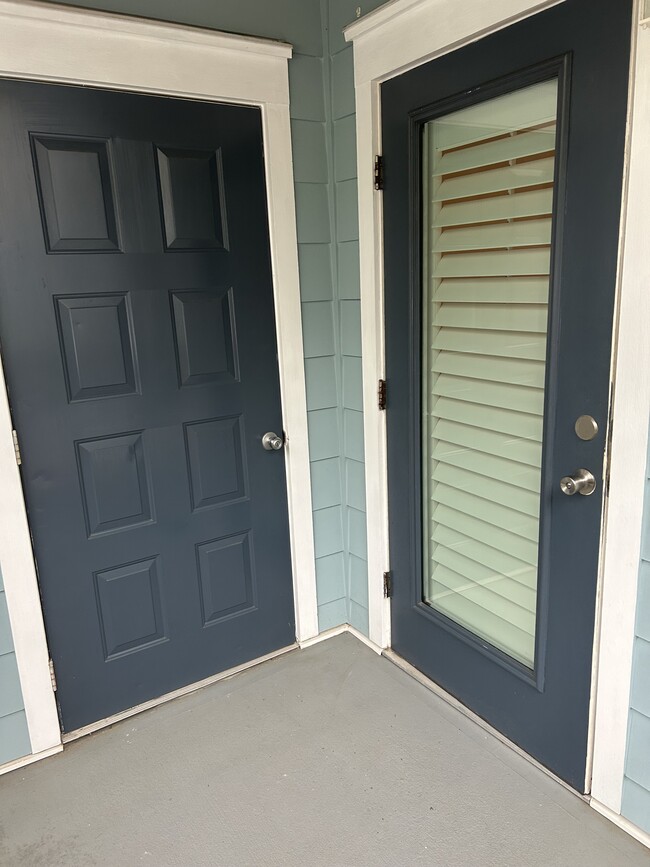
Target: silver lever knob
581,482
272,442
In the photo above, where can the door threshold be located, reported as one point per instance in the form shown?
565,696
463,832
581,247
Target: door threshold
68,737
449,699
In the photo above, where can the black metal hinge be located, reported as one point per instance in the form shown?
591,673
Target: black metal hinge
388,585
381,394
379,172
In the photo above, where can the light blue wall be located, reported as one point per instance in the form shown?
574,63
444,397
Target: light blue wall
339,88
14,739
636,786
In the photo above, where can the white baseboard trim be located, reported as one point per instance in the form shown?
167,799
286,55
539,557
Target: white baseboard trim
177,693
30,759
623,823
323,636
339,630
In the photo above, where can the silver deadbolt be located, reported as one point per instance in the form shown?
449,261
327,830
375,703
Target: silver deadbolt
586,427
272,442
581,482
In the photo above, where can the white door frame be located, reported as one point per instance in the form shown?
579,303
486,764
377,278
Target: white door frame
57,44
399,36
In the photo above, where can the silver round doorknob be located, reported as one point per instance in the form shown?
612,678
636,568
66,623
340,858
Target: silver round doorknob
272,442
581,482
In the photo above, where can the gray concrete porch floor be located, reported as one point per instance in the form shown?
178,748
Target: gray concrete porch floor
326,756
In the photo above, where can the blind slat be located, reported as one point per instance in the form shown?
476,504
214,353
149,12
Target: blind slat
494,290
495,317
500,445
483,510
513,147
519,475
518,546
520,499
513,371
531,203
488,556
490,417
483,590
529,400
495,263
527,174
523,233
510,344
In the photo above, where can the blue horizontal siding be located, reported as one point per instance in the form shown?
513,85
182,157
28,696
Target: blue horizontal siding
636,784
14,735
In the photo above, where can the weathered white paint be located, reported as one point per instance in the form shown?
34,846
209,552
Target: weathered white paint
622,822
396,37
29,760
49,43
339,630
627,461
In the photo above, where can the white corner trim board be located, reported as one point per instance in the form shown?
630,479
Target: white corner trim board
627,461
50,43
396,37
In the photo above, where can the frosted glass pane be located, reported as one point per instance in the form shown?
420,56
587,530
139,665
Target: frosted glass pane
487,181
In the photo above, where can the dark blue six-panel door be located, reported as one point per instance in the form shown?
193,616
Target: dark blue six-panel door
138,338
545,709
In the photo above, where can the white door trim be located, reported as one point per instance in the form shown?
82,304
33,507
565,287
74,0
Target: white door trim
45,42
399,36
623,523
396,37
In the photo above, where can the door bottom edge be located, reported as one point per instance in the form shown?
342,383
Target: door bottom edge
106,722
449,699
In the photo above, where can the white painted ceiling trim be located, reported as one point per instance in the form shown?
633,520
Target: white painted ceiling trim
406,33
58,44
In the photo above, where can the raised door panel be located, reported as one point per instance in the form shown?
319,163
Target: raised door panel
97,346
76,194
205,337
192,197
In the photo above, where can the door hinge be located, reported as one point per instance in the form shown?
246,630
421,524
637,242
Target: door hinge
52,676
14,435
381,394
388,585
379,172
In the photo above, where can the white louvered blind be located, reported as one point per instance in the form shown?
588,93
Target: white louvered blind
488,194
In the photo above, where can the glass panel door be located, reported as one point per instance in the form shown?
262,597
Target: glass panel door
488,172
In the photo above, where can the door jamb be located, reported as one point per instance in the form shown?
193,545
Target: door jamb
397,37
58,44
